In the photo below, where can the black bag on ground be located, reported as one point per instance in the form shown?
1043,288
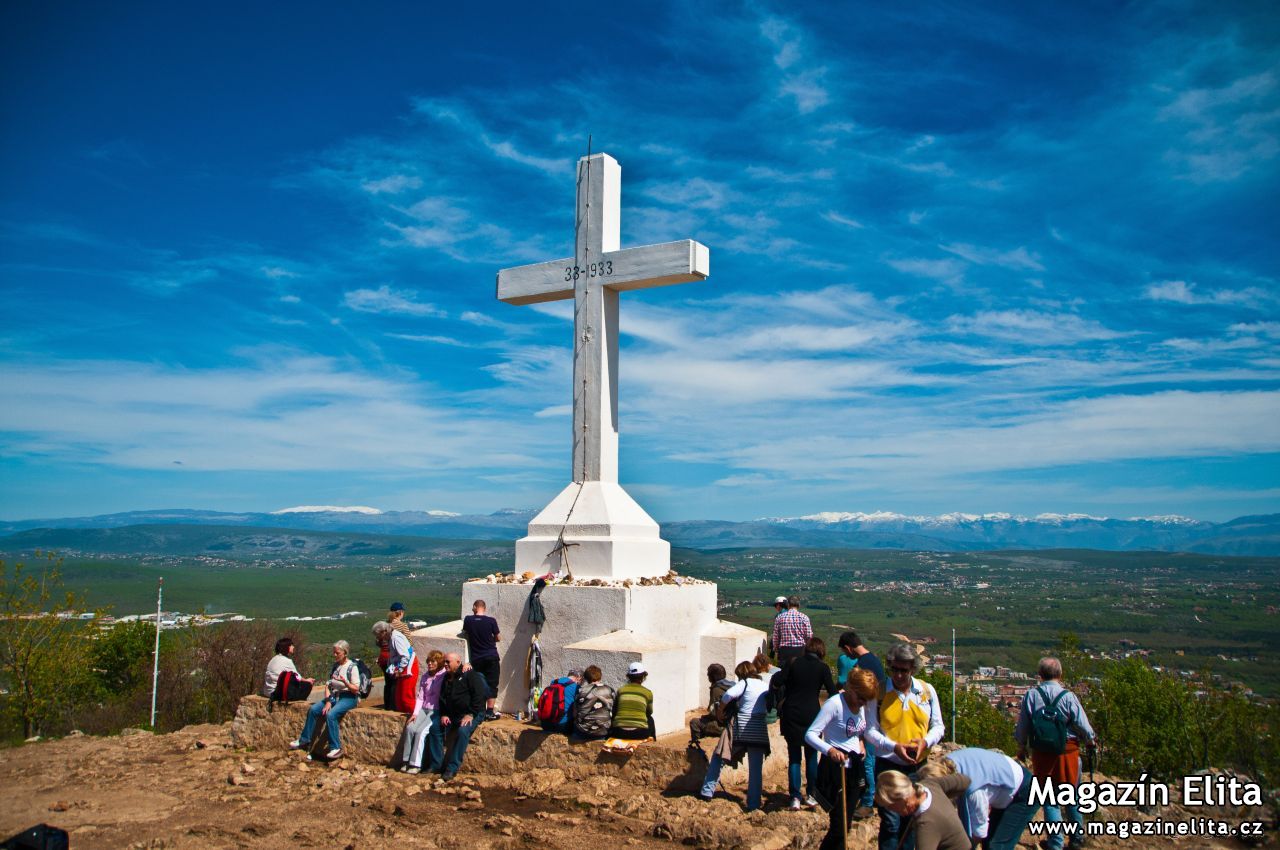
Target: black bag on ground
40,837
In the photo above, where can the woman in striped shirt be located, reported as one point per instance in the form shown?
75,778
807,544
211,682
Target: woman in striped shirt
750,733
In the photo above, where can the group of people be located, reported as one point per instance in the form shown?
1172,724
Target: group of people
448,696
868,741
861,750
582,706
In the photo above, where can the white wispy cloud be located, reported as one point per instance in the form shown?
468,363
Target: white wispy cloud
393,184
439,340
803,84
281,412
836,218
1018,259
1182,292
695,192
384,299
1229,130
1112,428
1031,327
947,271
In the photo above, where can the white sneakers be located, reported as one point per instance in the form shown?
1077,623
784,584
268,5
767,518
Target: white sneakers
295,744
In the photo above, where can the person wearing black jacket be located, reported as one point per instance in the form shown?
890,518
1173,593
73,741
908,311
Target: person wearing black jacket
462,708
795,689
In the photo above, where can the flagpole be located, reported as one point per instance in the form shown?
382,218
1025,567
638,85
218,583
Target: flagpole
155,664
953,686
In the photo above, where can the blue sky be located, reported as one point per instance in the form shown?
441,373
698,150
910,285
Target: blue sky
964,257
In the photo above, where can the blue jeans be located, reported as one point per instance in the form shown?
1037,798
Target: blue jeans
797,750
460,742
1053,814
1006,825
755,776
869,768
345,703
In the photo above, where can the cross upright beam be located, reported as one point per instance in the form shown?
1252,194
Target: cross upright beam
593,277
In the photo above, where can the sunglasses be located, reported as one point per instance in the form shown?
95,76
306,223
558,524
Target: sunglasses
901,669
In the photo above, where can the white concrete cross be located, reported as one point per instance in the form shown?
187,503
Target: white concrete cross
593,277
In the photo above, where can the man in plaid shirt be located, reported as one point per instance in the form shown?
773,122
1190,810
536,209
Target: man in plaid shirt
791,631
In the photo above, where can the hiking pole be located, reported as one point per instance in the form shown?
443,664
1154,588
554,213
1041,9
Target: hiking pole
844,810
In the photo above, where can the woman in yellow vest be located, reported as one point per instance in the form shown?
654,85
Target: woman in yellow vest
902,726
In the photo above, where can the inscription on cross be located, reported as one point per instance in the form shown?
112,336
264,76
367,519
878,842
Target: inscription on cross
593,277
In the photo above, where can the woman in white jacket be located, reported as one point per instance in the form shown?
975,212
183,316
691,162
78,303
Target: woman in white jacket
837,734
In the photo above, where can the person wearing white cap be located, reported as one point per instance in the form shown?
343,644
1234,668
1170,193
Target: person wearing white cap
633,707
791,631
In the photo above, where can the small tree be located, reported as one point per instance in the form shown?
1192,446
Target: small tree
44,658
978,723
122,658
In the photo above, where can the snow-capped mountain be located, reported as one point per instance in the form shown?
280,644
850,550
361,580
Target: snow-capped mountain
329,509
957,531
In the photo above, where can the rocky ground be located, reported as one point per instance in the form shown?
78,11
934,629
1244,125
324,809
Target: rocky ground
193,789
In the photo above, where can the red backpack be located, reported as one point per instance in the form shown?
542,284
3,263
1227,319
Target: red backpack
551,703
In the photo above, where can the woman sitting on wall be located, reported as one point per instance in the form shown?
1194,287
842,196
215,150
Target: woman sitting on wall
422,716
343,694
283,682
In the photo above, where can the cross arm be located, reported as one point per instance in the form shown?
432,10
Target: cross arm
665,264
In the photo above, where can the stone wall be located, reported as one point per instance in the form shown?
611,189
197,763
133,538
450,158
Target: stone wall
505,747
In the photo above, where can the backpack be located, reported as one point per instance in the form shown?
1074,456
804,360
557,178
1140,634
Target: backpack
289,687
551,703
366,679
1048,726
593,710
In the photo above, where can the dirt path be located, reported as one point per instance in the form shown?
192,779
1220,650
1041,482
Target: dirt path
192,789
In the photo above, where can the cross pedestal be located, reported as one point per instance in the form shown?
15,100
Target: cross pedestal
607,535
593,531
671,629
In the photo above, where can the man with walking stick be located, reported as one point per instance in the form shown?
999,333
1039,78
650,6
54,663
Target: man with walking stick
837,734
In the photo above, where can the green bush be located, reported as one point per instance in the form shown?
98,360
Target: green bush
1158,723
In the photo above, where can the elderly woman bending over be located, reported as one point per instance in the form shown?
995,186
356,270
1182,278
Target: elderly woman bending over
930,805
902,726
342,695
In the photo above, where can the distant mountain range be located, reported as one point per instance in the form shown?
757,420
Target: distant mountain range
1250,535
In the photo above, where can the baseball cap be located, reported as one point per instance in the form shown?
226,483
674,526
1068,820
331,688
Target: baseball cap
635,667
781,600
396,606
